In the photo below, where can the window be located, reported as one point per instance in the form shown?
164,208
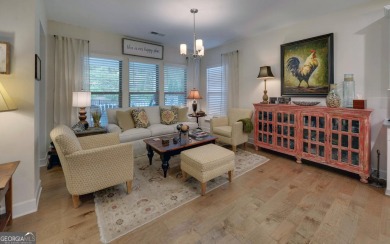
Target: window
216,92
143,84
105,84
175,85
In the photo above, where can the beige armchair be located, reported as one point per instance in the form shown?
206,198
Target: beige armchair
228,130
92,163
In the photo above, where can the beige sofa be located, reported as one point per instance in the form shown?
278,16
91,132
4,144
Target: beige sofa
92,163
137,135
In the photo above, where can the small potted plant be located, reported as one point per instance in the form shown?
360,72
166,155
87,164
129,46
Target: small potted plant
96,115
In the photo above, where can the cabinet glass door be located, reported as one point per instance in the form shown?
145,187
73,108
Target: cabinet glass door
265,127
285,130
313,136
345,141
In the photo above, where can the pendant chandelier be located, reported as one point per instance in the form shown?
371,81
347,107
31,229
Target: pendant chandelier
198,43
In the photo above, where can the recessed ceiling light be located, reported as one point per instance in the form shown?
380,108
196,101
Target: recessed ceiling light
156,33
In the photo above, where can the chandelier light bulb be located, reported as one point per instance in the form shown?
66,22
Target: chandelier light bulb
199,44
201,52
183,49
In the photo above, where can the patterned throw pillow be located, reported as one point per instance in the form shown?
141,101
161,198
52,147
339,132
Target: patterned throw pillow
169,116
140,118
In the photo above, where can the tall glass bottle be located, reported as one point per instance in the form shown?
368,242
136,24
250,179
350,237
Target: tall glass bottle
348,90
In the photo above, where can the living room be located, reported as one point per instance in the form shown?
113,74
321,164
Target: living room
361,47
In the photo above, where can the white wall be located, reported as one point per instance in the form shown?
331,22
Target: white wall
18,128
361,47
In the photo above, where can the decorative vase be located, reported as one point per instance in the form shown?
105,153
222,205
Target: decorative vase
333,98
348,90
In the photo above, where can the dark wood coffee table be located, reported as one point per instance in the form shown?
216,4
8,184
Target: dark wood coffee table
165,152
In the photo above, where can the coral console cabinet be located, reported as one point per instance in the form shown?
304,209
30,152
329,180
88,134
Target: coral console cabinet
337,137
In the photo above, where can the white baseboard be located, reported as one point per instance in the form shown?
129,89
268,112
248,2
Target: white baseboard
27,207
43,162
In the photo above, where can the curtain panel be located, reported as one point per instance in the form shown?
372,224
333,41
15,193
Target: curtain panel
230,84
71,73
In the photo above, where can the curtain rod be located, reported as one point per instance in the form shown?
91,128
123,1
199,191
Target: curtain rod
55,36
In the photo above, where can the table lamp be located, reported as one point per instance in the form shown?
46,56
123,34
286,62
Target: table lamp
82,100
194,94
6,102
265,73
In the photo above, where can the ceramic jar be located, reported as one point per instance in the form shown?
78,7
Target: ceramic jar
333,99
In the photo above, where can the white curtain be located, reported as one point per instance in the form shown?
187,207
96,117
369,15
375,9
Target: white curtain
230,77
71,73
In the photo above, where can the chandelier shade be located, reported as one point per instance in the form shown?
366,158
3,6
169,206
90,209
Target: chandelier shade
198,48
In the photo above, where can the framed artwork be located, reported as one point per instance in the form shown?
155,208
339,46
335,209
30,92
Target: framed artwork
37,67
307,67
142,49
273,100
5,53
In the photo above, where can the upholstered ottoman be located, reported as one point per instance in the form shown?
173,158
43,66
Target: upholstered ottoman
207,162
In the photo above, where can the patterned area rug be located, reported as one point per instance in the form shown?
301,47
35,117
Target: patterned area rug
153,195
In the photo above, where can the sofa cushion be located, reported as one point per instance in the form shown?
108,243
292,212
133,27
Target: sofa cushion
134,134
153,114
169,116
125,120
160,129
140,118
223,131
182,114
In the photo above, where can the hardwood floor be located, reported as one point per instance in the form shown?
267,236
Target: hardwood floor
278,202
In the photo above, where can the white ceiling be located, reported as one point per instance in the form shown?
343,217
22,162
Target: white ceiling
217,22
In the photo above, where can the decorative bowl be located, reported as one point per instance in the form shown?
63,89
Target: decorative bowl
305,103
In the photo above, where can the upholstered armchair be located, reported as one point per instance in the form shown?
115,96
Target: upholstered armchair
228,129
92,163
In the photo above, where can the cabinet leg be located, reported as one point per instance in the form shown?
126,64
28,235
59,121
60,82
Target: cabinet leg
299,161
364,178
257,148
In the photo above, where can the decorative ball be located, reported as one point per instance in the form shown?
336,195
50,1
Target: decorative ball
184,128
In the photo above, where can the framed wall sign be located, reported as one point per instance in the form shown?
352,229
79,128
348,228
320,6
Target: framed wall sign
37,67
5,54
307,67
142,49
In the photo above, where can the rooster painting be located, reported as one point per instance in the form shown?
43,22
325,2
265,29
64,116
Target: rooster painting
303,73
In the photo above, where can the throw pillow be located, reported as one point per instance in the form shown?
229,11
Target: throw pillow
169,116
140,118
125,121
182,114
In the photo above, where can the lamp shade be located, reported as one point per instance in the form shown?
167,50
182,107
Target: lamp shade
194,94
265,73
81,99
6,102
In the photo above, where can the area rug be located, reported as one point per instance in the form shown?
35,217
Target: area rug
153,195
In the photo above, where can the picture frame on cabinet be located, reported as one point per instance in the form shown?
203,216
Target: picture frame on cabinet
37,67
5,54
273,100
307,67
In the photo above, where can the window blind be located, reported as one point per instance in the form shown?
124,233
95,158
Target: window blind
105,85
143,84
216,92
175,85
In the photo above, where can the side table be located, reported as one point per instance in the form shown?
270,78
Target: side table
197,116
91,131
6,172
